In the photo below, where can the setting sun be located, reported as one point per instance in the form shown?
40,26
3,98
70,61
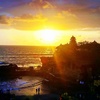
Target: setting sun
48,36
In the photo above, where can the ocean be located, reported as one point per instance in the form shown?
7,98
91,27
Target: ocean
25,56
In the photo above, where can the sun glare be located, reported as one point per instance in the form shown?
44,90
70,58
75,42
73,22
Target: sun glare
48,36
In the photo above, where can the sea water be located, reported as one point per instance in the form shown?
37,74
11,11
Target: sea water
25,56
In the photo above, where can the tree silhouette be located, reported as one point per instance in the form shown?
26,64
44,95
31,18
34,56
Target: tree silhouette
73,43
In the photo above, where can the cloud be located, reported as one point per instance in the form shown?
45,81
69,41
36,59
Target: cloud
65,15
90,20
48,5
5,19
24,22
57,14
41,4
31,18
61,20
95,10
29,22
76,5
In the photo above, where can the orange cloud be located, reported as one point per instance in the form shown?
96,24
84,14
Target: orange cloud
66,15
38,4
61,20
29,22
5,19
30,18
48,5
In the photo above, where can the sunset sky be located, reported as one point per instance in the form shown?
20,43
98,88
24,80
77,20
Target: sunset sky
27,22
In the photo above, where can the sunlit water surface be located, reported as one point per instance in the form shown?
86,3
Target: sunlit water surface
25,56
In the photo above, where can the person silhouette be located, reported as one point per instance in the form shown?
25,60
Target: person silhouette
38,90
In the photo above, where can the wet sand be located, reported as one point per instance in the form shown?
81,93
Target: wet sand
25,86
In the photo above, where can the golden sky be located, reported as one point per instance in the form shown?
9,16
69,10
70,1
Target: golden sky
31,22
